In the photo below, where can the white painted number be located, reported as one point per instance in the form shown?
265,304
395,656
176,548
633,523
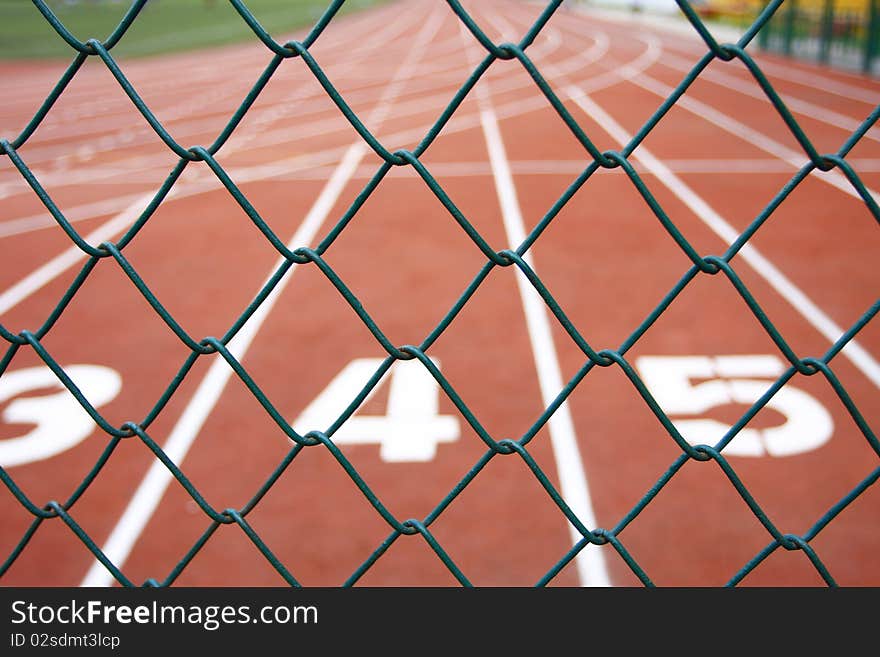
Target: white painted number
60,421
411,428
807,425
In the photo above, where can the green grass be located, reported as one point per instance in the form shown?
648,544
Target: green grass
162,25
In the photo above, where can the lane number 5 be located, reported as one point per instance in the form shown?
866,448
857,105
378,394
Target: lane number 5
734,380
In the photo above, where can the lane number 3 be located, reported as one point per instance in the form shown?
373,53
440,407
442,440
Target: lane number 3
734,380
59,421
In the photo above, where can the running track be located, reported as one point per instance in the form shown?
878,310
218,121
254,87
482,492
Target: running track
713,164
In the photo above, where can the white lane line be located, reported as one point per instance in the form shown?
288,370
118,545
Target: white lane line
574,167
751,88
747,86
280,168
573,485
328,121
151,490
309,169
812,79
574,488
721,227
733,126
100,135
464,121
73,214
747,134
72,255
50,270
362,92
152,78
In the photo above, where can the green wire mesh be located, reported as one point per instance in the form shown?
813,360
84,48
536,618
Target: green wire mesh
593,538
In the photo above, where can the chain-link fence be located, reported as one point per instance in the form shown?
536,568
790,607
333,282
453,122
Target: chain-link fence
845,34
298,53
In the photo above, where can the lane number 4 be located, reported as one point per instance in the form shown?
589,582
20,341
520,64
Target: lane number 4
734,380
411,428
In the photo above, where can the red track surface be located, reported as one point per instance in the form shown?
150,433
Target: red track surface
605,258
